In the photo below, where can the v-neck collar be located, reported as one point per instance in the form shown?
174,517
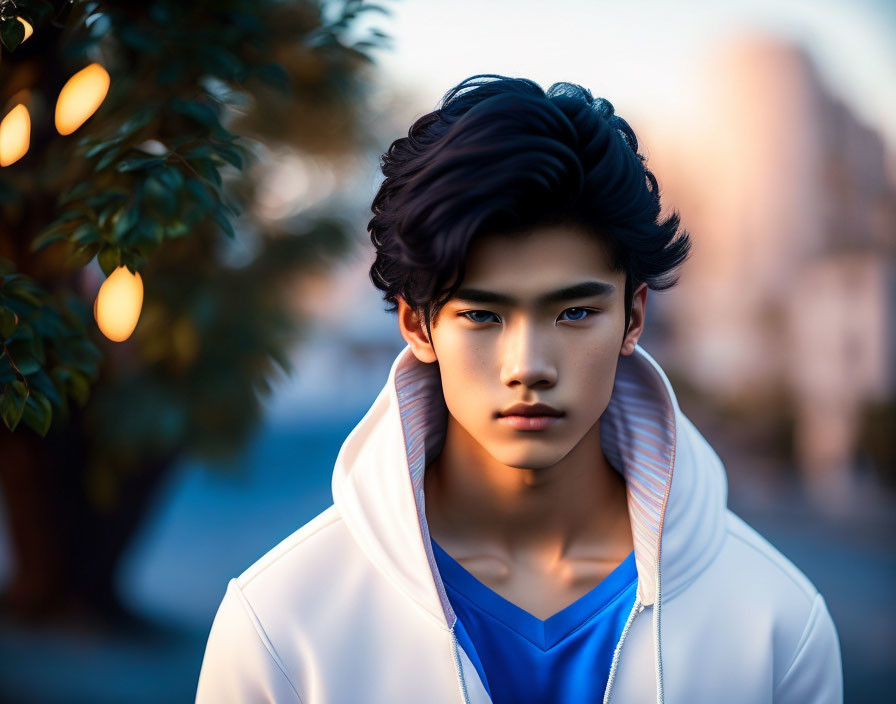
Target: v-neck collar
544,634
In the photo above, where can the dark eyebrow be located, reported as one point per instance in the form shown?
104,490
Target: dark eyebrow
585,289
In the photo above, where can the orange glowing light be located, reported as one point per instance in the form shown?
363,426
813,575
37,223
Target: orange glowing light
118,304
15,135
28,30
79,98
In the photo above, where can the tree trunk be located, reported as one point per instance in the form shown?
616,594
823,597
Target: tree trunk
65,549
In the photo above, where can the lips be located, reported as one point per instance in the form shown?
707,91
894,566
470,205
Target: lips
527,409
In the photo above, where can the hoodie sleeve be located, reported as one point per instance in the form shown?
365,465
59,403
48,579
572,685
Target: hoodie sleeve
815,676
240,663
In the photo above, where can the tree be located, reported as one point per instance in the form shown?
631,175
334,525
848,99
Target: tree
154,181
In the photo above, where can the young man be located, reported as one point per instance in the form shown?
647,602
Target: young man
524,514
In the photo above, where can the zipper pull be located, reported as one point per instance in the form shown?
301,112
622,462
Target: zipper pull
640,608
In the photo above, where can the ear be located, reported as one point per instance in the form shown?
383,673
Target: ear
413,330
636,322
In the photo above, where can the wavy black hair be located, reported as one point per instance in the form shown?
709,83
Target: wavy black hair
501,155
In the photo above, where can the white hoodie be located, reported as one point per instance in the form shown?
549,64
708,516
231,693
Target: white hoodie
350,608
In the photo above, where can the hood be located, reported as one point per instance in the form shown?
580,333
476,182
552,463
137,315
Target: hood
676,484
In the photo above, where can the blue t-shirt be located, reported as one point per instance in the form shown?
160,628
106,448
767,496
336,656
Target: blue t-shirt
524,660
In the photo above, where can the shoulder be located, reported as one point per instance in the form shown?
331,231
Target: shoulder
297,576
291,590
250,644
777,597
295,550
756,554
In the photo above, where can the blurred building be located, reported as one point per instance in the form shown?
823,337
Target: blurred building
790,291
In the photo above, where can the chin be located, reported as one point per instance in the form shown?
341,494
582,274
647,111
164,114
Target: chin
530,459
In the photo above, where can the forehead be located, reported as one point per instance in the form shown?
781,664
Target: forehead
538,258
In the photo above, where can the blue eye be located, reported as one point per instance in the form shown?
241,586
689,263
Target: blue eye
587,311
473,312
467,314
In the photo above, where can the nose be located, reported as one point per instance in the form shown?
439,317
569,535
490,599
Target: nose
525,356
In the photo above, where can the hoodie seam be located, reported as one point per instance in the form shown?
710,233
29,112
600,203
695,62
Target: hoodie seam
803,641
810,594
263,637
289,549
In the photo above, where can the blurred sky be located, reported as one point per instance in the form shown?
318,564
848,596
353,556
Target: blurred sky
642,55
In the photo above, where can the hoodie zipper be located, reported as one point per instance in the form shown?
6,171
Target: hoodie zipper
637,608
457,667
658,653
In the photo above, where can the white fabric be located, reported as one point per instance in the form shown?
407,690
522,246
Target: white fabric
350,607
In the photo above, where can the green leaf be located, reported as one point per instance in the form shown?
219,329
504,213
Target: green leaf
12,405
57,230
26,349
78,191
87,233
229,154
200,193
38,414
171,176
109,259
107,159
82,256
200,112
41,382
49,237
101,147
224,222
157,194
207,169
134,261
105,197
139,162
24,291
231,207
8,322
199,151
12,32
137,121
70,381
27,365
124,221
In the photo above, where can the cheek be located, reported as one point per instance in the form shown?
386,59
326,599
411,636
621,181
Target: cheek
465,378
603,381
591,377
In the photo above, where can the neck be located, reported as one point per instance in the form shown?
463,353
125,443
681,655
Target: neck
574,508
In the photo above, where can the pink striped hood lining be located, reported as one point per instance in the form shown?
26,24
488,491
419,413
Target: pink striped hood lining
378,479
